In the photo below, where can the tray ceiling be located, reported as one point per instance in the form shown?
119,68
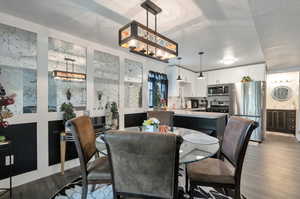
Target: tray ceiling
249,30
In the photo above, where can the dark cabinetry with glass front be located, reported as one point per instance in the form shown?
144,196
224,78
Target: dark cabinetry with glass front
281,120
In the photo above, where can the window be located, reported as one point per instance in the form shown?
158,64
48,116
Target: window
157,83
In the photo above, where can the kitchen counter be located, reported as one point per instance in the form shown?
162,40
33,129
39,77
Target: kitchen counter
211,123
199,114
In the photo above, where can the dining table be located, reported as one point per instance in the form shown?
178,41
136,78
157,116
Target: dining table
196,146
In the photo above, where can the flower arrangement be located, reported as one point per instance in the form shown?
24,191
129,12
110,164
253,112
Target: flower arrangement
4,111
151,125
4,102
151,122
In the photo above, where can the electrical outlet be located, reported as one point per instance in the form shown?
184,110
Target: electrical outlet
7,163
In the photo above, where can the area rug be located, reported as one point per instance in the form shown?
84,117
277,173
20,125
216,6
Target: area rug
73,191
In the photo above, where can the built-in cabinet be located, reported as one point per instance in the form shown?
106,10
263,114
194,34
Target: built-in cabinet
193,87
189,87
281,120
232,75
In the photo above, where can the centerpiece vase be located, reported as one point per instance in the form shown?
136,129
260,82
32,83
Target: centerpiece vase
150,128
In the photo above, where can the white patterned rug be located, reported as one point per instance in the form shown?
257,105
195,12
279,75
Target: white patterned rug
73,191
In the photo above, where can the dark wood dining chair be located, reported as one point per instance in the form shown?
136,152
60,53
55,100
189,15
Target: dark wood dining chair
165,117
98,171
144,165
225,172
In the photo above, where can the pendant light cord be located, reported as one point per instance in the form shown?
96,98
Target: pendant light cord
147,16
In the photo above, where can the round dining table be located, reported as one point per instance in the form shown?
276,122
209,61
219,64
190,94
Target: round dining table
196,145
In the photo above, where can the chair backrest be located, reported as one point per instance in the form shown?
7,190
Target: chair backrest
84,134
144,164
235,141
165,117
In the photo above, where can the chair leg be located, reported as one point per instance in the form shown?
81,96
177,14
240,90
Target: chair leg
237,192
93,187
84,189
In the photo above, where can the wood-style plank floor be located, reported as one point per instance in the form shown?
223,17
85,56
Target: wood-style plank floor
271,171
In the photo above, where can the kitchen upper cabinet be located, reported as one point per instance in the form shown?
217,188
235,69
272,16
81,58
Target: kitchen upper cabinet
233,75
189,86
173,85
200,88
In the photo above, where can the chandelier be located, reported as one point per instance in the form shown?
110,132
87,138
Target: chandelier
142,40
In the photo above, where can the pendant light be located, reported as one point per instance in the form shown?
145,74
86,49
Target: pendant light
142,40
201,73
179,77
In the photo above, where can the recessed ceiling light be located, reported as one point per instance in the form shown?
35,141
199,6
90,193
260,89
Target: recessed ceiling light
228,60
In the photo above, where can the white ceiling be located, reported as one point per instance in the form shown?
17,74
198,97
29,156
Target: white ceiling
250,30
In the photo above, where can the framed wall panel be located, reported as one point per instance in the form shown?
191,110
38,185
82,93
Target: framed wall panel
24,149
133,83
106,79
18,64
68,57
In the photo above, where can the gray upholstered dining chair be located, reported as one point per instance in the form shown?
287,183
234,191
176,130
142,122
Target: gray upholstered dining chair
98,171
144,165
225,174
165,117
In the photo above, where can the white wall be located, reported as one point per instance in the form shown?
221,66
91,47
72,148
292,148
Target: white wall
290,79
43,116
233,75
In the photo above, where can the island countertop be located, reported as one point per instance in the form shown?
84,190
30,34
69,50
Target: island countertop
199,114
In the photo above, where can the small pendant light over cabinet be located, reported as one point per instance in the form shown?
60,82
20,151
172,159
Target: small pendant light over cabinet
200,71
179,77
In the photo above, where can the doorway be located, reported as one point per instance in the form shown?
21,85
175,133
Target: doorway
282,102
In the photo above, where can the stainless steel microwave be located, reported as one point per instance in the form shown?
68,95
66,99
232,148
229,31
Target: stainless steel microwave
218,90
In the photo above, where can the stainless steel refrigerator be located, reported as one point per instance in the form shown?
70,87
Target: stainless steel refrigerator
249,101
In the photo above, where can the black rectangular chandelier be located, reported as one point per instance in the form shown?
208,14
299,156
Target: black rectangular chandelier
142,40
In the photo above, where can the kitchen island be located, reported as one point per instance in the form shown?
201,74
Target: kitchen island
207,122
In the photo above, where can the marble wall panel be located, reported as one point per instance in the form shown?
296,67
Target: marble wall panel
18,63
106,79
57,52
133,80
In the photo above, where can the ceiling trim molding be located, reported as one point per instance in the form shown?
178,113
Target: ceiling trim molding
184,67
283,69
236,66
222,68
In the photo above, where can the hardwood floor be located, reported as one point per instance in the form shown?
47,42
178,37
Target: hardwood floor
45,187
271,171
